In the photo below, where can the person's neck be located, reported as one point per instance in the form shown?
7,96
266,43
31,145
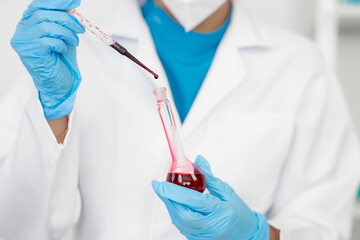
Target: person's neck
210,24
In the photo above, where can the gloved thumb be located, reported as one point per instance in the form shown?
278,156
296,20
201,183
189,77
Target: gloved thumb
203,164
215,185
51,5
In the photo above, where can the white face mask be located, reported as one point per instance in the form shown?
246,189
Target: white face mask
190,13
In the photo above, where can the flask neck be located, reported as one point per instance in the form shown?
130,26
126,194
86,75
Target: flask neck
171,132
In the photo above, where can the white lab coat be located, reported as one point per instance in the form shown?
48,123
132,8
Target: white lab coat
270,119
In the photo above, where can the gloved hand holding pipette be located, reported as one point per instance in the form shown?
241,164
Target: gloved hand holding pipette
218,215
46,40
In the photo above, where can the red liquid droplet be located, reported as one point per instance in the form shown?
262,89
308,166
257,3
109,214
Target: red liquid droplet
131,57
193,181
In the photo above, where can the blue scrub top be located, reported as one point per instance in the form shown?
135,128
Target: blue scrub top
185,56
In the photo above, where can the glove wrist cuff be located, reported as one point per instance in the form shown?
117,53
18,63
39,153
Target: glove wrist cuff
262,232
57,109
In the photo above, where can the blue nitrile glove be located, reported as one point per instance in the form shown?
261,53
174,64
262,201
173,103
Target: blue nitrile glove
220,215
46,40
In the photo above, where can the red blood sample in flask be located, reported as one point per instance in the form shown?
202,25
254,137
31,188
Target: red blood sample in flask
182,171
193,181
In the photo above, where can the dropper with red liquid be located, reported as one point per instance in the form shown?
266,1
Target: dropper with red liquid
182,171
124,52
103,36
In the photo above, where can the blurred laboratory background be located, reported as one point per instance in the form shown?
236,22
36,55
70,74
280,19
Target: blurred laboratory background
333,24
335,27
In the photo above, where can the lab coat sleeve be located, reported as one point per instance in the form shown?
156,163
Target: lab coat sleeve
38,177
316,192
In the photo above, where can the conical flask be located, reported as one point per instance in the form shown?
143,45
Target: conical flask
182,171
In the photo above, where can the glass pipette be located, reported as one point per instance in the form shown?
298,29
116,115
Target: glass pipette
103,36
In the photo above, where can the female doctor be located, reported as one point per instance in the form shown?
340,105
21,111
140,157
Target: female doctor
256,101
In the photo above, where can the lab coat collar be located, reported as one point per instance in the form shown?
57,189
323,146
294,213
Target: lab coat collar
227,69
248,33
128,14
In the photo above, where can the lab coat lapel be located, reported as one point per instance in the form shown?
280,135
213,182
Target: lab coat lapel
227,70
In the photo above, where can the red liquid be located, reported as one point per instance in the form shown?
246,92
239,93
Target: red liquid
187,180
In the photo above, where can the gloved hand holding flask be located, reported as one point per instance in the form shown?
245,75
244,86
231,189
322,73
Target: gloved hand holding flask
46,40
218,215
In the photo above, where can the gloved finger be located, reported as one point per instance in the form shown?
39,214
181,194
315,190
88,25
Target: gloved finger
49,29
215,185
53,4
183,217
62,18
189,221
174,208
203,203
44,46
69,58
53,45
172,211
180,217
203,164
